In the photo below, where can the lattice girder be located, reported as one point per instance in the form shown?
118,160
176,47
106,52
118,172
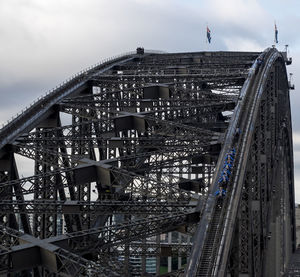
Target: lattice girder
125,161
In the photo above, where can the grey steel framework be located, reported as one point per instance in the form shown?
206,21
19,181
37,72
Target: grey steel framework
122,164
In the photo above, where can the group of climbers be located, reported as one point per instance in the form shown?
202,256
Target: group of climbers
226,172
260,62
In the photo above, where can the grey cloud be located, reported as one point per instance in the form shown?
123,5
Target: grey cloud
45,42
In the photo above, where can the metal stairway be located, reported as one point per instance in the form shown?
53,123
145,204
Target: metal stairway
209,252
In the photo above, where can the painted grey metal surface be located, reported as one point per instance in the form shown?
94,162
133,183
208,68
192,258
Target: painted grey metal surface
133,178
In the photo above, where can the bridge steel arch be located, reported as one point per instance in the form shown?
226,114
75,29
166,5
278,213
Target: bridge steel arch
252,231
122,162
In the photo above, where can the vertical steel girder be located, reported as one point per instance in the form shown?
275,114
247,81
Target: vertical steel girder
126,157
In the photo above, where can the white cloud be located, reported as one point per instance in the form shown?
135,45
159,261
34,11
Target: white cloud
242,44
246,12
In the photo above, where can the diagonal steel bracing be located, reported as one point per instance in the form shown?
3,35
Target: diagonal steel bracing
125,160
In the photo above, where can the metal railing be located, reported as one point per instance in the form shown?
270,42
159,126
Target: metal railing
75,77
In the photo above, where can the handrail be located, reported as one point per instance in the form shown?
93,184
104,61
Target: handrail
219,264
208,209
232,209
73,78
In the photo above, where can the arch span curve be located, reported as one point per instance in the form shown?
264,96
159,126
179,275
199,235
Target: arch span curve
249,221
123,163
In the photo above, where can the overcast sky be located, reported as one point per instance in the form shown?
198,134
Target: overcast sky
44,42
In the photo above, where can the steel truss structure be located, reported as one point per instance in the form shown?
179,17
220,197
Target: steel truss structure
124,162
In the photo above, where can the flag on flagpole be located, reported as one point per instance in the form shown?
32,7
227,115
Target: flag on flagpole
208,34
276,34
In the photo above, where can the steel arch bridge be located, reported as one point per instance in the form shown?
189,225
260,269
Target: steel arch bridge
123,165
